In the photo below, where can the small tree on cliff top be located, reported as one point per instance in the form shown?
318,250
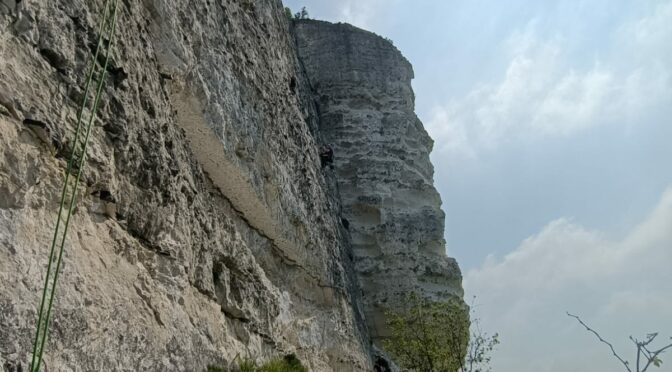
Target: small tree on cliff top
303,14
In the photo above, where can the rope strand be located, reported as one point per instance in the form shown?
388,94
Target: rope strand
78,160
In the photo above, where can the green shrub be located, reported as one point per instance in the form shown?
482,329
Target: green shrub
428,336
247,365
288,13
288,363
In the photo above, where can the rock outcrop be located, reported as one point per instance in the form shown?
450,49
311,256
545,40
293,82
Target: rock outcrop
207,230
366,107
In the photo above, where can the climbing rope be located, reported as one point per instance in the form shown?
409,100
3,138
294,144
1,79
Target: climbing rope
72,176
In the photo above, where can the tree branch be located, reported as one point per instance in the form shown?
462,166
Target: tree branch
654,356
602,340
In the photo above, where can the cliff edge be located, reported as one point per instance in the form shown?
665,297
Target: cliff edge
207,229
385,178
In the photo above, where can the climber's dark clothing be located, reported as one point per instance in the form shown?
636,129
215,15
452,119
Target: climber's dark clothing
326,155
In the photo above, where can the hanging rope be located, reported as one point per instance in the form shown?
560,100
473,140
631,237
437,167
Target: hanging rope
72,176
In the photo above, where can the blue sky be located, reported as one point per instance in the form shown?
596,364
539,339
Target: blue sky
552,127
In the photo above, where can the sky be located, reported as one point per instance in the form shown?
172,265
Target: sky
552,128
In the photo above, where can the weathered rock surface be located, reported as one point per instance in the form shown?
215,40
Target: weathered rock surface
382,165
207,229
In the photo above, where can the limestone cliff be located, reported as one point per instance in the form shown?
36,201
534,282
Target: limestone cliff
385,178
207,229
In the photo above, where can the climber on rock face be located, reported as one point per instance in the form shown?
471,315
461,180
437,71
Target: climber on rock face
381,365
327,156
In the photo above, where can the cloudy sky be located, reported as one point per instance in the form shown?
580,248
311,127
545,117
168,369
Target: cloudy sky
552,123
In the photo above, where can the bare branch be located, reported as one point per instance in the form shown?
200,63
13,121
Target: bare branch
649,338
654,356
625,363
663,349
639,354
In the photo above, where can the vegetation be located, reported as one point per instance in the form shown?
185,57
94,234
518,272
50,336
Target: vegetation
288,363
288,13
647,356
303,14
428,336
480,348
431,336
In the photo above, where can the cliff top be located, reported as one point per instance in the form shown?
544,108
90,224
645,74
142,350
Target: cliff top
346,40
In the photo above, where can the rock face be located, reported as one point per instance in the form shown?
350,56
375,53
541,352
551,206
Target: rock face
385,178
207,230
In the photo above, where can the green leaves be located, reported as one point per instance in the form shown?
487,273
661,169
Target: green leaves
288,363
288,13
429,336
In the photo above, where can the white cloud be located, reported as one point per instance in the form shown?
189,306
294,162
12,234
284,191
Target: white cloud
542,94
371,15
651,34
366,14
621,286
360,13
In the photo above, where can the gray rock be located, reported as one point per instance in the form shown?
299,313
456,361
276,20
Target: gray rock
173,268
25,25
206,228
7,6
385,178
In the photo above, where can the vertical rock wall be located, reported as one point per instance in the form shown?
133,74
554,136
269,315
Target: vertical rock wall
382,166
206,230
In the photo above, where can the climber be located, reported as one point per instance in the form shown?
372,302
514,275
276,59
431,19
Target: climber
327,156
381,365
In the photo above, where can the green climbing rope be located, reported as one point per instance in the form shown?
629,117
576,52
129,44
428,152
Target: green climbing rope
75,165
